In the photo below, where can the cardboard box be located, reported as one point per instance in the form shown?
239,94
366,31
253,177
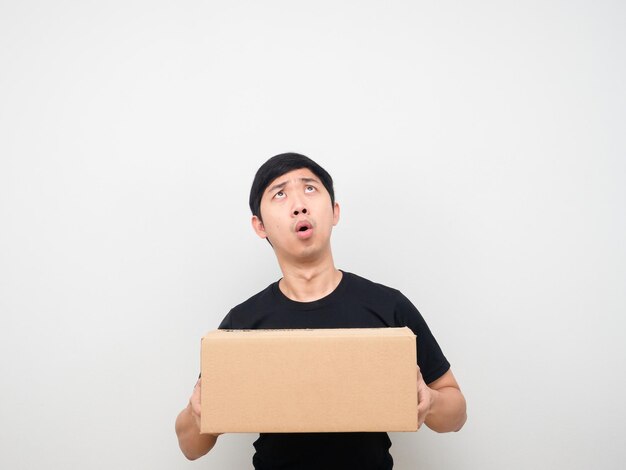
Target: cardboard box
309,380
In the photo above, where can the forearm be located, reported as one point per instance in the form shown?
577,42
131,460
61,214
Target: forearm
191,442
448,410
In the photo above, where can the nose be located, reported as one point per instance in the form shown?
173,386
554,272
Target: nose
298,202
299,210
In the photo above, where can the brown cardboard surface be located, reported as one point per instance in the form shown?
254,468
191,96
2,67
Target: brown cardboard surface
309,380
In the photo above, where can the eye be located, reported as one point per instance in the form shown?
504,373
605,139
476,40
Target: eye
309,189
279,195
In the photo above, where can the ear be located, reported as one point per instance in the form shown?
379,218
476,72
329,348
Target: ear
336,214
259,228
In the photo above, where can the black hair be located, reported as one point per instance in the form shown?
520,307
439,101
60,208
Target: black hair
279,165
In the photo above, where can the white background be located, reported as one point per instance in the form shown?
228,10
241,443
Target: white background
478,150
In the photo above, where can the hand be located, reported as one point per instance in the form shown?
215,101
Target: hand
424,399
194,405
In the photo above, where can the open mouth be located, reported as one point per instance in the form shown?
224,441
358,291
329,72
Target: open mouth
303,229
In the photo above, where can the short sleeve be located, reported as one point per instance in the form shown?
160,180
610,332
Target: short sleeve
431,360
227,322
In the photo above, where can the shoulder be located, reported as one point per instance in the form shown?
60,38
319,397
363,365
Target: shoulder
245,314
384,298
371,289
258,300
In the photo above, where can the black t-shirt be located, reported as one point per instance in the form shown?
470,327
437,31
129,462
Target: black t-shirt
355,303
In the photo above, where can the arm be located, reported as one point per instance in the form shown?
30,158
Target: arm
191,442
441,405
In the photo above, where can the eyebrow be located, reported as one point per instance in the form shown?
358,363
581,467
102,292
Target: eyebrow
284,183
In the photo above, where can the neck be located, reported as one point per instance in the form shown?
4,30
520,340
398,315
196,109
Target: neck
309,281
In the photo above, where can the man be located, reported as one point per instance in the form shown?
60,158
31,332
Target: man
293,207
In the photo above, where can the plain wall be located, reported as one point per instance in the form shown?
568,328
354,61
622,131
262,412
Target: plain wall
478,150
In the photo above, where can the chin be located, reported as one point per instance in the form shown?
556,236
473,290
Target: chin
308,253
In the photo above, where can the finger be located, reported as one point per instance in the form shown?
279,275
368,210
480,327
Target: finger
421,414
196,409
195,404
423,401
196,398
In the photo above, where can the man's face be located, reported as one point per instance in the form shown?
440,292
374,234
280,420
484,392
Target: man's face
297,215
